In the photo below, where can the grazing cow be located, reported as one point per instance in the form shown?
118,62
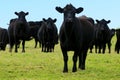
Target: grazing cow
117,45
34,27
18,30
75,35
4,39
48,35
102,36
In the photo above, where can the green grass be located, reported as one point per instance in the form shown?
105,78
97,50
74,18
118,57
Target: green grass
36,65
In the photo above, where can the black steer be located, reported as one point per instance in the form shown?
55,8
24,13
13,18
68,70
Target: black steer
102,36
48,35
75,35
18,30
4,39
117,45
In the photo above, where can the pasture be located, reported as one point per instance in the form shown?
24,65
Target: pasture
36,65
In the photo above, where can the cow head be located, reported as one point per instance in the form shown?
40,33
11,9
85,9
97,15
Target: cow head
103,22
69,12
50,22
112,31
21,15
102,27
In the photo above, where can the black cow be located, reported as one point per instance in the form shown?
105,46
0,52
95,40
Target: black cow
102,36
48,35
4,39
34,27
117,44
18,30
91,20
112,32
75,35
52,33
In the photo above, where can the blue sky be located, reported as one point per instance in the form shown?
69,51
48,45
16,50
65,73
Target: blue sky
38,9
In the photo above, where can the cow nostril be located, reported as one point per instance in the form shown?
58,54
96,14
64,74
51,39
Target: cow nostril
69,20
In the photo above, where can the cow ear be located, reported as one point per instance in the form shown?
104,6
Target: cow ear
108,21
54,20
79,10
44,19
97,21
59,9
26,13
16,13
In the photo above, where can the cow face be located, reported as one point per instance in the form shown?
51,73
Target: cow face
50,22
102,27
69,12
21,15
103,22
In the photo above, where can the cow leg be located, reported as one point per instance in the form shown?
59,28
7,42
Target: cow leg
91,46
11,46
46,47
109,47
75,61
104,47
53,47
95,48
16,47
3,47
82,58
39,44
42,47
35,43
100,47
23,46
65,58
11,41
118,50
91,49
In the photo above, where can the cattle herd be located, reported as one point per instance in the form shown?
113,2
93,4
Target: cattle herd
76,34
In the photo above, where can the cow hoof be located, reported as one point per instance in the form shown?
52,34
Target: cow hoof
82,67
16,51
74,70
23,51
65,70
10,50
90,52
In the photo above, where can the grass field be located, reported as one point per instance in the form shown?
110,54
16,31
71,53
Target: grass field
36,65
